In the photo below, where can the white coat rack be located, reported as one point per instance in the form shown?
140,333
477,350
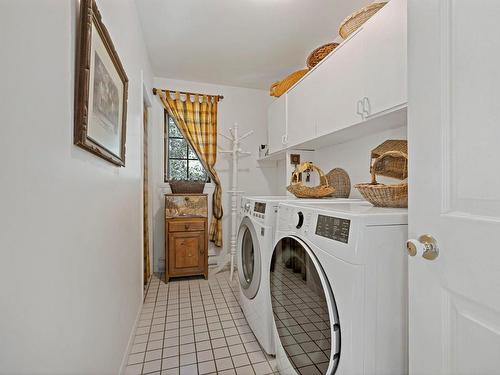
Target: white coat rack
236,153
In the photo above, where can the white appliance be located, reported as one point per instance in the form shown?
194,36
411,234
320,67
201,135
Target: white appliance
254,250
338,286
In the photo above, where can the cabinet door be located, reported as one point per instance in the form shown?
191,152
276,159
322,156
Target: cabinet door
301,109
186,252
385,60
342,86
276,124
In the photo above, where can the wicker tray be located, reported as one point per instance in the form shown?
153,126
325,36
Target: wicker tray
279,88
298,189
319,54
340,181
186,186
358,18
395,167
381,195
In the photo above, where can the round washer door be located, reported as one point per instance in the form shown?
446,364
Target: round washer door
249,259
304,309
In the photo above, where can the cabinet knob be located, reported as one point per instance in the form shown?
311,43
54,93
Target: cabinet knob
186,226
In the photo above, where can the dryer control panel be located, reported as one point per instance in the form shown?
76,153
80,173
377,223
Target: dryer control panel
334,228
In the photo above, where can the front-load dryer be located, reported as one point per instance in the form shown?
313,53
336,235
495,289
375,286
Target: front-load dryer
254,250
338,286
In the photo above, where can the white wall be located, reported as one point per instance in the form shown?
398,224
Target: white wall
248,108
354,156
70,223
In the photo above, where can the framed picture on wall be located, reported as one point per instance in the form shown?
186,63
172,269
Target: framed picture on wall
101,90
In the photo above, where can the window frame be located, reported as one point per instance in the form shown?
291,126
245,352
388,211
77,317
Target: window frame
166,153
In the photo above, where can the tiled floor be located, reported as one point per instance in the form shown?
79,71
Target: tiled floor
196,326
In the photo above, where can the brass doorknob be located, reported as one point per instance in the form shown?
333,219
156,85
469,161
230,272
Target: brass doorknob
426,246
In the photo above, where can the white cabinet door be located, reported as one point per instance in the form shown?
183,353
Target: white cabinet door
454,300
276,124
301,107
385,60
341,86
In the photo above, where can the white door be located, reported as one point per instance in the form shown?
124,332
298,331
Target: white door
276,124
454,133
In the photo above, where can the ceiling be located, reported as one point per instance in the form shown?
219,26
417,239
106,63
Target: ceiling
246,43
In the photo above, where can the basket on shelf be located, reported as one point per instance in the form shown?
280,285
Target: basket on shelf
358,18
300,190
382,195
340,181
395,167
279,88
319,54
186,186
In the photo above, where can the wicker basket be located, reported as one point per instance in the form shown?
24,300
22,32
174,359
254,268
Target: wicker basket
340,181
298,189
186,186
319,54
358,18
381,195
279,88
395,167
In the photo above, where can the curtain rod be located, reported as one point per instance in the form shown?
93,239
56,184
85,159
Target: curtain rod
220,97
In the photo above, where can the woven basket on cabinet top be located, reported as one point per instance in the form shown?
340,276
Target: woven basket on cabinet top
279,88
300,190
358,18
319,54
382,195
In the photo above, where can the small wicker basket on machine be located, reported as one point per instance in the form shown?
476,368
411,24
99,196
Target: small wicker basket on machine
340,181
300,190
382,195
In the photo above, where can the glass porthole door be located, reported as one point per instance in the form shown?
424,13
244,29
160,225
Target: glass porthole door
304,309
249,260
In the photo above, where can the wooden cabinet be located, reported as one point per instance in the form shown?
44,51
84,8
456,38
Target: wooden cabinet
186,237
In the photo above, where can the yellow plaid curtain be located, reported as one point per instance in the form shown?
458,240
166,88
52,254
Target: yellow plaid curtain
197,121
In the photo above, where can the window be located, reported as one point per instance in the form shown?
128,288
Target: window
181,162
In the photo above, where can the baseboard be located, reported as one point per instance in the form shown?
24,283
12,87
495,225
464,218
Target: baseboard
123,365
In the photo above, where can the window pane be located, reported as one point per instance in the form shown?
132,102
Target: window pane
196,170
173,130
177,170
177,148
192,154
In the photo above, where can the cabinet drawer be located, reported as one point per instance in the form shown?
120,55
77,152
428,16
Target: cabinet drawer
186,226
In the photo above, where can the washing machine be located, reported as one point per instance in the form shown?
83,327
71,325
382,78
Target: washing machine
254,250
338,287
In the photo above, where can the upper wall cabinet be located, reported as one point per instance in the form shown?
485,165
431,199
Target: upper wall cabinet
364,78
385,62
301,110
276,120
